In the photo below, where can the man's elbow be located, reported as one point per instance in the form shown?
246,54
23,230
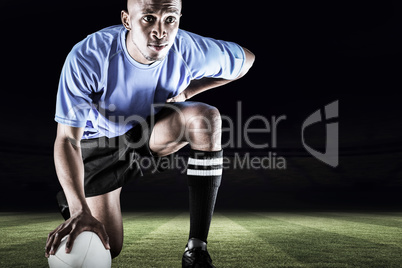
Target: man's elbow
248,63
250,58
68,136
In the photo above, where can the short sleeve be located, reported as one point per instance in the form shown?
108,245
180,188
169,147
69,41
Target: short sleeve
208,57
77,81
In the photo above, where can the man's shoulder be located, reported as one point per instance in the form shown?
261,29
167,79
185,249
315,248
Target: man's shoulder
188,44
107,35
191,42
99,44
186,38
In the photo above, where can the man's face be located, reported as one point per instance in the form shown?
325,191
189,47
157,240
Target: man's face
153,25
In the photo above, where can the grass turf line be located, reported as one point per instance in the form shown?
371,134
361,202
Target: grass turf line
236,239
324,241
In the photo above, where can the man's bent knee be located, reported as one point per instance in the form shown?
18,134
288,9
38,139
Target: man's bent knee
186,122
115,251
187,111
203,127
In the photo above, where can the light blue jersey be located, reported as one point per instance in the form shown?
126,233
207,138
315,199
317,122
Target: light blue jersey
106,91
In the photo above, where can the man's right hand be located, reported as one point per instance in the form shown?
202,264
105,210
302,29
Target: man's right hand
77,224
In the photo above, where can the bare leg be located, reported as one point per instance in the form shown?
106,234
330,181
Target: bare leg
187,122
195,123
106,209
199,125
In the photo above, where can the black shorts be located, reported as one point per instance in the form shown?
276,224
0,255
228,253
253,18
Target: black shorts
111,162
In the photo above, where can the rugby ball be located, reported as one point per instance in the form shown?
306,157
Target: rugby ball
87,252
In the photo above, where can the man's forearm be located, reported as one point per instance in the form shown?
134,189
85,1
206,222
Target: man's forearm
70,171
204,84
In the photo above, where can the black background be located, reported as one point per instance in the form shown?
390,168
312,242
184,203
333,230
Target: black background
308,54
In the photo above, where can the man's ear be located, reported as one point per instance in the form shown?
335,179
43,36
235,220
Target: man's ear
125,19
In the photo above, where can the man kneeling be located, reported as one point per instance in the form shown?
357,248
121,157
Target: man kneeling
123,92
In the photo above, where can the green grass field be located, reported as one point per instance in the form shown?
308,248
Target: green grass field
269,239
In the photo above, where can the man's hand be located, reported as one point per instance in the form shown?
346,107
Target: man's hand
78,223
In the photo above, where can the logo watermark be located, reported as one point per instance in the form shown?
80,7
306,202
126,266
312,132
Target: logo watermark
331,154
